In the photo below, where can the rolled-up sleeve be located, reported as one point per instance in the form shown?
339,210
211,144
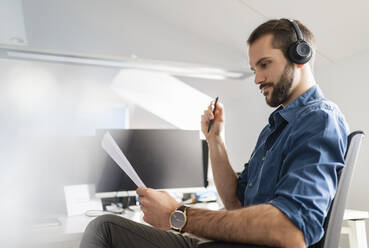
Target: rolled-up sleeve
241,184
308,177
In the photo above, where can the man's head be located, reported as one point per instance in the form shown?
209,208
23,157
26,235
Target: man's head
278,78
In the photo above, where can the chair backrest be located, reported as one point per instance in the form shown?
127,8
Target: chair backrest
333,223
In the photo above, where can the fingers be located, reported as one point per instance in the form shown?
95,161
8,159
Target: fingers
143,201
145,195
143,191
143,209
208,113
208,116
140,191
146,216
219,106
211,105
146,219
204,122
218,109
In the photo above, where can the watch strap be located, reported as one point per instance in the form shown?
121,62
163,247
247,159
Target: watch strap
182,208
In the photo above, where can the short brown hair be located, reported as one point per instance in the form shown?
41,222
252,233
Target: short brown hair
283,35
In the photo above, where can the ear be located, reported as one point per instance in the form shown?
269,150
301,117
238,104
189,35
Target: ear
300,66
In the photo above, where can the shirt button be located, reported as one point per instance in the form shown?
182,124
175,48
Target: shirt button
263,158
250,184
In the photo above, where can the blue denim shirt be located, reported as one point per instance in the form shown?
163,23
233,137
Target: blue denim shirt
295,162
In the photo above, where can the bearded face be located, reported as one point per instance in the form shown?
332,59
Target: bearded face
280,92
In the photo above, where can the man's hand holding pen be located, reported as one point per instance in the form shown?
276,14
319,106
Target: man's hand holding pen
217,119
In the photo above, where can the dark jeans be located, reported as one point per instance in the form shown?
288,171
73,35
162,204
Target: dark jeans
117,232
112,231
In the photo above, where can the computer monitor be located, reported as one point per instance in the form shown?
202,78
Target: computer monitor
168,159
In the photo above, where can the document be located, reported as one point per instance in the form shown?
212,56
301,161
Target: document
111,148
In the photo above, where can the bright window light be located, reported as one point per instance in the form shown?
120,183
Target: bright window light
163,95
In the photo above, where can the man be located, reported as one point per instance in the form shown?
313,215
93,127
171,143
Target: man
285,190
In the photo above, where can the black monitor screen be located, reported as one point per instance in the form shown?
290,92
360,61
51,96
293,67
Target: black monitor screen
163,159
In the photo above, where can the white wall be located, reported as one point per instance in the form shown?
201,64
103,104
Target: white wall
41,107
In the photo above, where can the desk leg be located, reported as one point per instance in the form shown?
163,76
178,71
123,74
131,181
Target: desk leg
357,234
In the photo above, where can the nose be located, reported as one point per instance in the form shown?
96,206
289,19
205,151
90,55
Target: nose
259,78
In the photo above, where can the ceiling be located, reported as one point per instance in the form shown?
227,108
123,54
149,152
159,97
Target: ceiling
209,31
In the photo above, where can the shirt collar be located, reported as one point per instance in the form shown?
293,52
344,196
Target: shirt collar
289,112
275,117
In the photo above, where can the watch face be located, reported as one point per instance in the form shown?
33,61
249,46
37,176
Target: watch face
178,219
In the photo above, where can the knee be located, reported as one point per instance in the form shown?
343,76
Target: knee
97,232
96,224
103,219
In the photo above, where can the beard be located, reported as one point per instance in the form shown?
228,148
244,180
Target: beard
281,90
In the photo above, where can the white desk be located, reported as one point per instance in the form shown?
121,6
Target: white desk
355,227
72,228
70,232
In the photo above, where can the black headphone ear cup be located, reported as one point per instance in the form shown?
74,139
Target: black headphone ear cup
299,52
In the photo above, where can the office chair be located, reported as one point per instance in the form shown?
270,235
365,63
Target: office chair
334,219
333,222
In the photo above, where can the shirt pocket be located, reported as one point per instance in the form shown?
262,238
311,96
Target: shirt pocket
269,175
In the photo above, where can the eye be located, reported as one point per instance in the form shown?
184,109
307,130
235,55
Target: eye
264,64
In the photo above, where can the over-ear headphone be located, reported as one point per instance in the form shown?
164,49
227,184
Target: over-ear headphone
299,52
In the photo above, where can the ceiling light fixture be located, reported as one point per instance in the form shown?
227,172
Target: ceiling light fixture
172,68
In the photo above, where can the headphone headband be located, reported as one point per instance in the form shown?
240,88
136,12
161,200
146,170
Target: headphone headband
297,30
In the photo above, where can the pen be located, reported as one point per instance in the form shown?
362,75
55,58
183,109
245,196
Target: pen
215,108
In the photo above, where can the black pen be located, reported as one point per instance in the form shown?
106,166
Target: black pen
215,108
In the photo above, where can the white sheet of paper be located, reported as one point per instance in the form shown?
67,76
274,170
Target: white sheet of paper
111,148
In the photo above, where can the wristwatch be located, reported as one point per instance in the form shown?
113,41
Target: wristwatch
178,218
